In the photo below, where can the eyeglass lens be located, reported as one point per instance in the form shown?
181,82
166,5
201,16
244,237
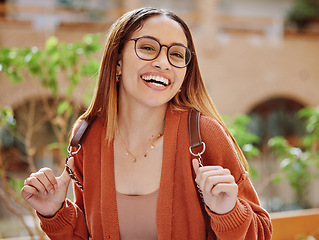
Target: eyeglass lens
148,49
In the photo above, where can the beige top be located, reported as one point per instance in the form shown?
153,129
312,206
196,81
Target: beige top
137,216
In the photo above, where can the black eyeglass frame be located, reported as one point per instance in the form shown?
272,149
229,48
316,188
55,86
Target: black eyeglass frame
162,45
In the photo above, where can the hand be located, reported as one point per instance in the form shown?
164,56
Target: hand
45,192
218,187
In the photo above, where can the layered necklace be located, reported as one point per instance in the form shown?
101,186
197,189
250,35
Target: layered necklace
128,153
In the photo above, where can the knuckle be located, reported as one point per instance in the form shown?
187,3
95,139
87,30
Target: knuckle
199,171
233,179
48,185
26,182
36,175
33,174
206,174
212,180
45,170
32,180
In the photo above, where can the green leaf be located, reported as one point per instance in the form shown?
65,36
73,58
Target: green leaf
16,184
7,117
63,107
277,179
91,68
51,44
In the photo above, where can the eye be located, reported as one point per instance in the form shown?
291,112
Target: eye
177,55
147,48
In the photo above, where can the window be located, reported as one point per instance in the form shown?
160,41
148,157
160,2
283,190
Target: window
277,117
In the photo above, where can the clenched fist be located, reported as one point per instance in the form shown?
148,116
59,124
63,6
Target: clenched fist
218,187
45,192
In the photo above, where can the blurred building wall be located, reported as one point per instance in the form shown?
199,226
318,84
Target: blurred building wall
244,59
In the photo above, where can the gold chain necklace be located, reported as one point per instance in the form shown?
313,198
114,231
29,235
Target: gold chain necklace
152,146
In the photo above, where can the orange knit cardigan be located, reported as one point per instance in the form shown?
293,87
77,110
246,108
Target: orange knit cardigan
93,215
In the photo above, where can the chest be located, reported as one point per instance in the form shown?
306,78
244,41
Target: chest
141,176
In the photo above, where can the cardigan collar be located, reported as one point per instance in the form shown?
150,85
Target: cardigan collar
164,213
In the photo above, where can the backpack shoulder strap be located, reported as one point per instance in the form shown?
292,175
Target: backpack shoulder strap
194,134
193,128
81,133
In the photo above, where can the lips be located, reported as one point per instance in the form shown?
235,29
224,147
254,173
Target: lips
156,80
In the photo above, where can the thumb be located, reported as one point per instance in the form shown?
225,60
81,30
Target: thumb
195,165
65,177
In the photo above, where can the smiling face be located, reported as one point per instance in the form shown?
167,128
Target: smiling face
151,83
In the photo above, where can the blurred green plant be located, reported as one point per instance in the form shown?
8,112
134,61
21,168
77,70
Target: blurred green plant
303,11
299,165
244,137
72,61
59,68
7,117
54,58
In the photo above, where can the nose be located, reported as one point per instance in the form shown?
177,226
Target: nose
161,61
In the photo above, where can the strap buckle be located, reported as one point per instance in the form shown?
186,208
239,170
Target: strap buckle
75,152
199,155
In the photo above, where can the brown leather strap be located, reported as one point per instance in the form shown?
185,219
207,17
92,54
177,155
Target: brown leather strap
196,141
81,133
193,128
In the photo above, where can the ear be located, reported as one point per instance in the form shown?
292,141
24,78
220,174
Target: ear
119,67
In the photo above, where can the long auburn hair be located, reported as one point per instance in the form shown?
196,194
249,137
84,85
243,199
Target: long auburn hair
193,92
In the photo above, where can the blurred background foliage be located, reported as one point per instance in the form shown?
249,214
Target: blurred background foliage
303,12
72,61
299,165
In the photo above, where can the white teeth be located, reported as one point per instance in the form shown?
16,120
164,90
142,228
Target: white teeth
163,80
157,84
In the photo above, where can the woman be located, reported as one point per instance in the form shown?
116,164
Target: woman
137,173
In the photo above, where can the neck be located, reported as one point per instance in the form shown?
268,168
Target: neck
140,125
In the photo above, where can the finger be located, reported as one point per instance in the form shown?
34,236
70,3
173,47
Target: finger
212,181
71,163
65,177
34,182
50,175
229,189
204,173
210,168
214,171
224,188
45,181
28,191
195,165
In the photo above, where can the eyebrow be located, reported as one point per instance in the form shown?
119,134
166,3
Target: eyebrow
174,43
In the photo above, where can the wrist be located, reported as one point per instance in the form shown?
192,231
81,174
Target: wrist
52,214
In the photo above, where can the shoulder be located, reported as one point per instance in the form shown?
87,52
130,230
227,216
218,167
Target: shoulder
209,123
214,133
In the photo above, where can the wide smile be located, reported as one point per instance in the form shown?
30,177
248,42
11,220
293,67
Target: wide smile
156,80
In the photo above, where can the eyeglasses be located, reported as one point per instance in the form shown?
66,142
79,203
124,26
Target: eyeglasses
148,49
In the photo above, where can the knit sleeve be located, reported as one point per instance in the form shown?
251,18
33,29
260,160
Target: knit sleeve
67,223
248,220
